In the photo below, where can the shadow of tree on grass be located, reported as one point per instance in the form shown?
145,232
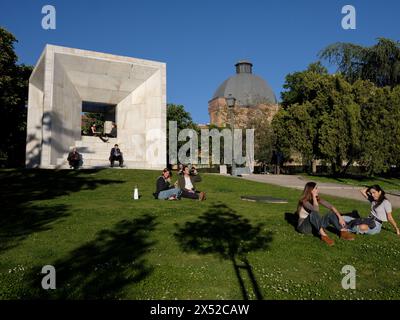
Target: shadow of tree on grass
20,190
222,232
102,268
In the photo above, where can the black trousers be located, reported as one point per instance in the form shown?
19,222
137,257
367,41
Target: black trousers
74,163
190,195
116,158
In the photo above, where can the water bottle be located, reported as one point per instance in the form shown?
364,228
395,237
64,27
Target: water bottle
136,193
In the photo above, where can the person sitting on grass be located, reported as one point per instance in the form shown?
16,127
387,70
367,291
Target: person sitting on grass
164,190
74,159
310,219
381,211
116,155
186,183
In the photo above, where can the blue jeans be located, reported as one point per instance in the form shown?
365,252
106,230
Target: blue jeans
166,194
316,221
356,229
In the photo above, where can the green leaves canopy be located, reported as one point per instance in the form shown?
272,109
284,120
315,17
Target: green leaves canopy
325,117
13,100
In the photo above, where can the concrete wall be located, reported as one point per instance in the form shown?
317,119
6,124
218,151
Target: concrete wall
66,114
141,122
66,76
35,115
34,127
156,124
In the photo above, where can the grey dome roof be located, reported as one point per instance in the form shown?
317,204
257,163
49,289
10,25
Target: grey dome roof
248,89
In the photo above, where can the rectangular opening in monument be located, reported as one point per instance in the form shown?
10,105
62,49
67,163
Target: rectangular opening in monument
101,114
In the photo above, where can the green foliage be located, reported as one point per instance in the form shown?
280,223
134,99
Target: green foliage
90,118
325,117
303,86
294,130
13,99
104,245
177,112
264,139
380,114
379,63
339,129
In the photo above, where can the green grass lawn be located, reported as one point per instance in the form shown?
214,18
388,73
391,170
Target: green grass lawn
388,184
105,245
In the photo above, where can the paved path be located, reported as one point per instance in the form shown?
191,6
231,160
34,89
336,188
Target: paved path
333,189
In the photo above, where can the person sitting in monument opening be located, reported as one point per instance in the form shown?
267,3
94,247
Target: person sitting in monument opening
310,218
95,133
113,132
116,155
164,190
74,159
186,183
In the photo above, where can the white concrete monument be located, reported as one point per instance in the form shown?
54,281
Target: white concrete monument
132,90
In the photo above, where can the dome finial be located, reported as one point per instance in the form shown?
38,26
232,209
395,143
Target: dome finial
244,66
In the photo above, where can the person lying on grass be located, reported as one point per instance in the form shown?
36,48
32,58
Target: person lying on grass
186,183
164,190
381,211
310,218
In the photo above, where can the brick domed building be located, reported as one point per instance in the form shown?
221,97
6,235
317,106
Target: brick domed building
254,98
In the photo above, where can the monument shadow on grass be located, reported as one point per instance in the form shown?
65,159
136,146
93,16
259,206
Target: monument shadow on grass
223,232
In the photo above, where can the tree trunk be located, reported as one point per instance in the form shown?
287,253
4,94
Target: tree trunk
347,166
314,166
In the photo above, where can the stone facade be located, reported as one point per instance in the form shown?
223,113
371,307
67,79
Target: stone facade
254,98
219,116
65,77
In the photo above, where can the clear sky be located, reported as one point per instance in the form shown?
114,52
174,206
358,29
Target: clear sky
201,40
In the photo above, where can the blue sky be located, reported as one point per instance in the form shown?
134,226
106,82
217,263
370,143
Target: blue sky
201,40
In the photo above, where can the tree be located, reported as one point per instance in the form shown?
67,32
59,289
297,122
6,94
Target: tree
183,118
393,137
177,112
264,139
90,118
294,129
380,125
339,134
303,86
349,117
13,101
320,119
379,64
